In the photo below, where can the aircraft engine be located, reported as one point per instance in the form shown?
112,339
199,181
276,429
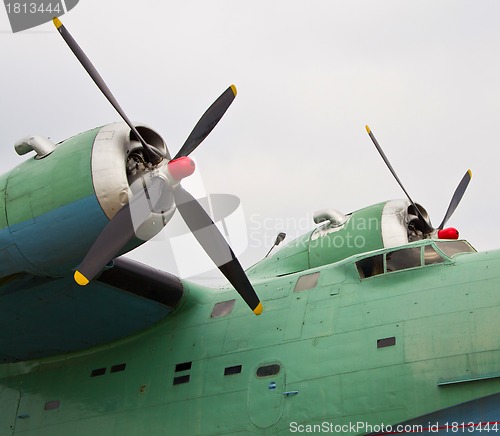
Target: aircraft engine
58,202
120,169
78,206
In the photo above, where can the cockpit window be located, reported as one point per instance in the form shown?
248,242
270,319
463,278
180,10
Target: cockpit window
431,256
403,259
451,248
371,266
411,257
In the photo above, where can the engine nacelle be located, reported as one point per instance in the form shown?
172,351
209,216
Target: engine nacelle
53,208
383,225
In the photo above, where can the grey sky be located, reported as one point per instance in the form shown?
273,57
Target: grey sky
424,75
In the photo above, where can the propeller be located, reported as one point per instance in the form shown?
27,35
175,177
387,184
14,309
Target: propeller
121,228
210,238
457,197
207,122
152,153
119,231
455,200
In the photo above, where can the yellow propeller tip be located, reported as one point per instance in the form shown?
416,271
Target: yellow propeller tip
258,309
80,278
233,88
470,173
367,129
57,22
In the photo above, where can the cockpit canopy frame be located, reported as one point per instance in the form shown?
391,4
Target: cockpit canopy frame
415,255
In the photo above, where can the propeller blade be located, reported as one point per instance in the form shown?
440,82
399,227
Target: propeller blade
428,228
457,196
96,77
119,231
214,244
208,121
108,244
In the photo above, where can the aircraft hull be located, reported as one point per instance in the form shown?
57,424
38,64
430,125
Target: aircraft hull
384,350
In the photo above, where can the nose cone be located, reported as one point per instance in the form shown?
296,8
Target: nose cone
448,233
181,167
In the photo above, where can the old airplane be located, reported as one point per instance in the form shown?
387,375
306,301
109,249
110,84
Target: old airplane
374,322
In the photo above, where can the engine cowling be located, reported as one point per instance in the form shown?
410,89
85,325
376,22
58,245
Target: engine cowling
53,208
339,236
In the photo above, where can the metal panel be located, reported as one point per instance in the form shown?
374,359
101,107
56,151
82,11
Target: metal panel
265,395
9,402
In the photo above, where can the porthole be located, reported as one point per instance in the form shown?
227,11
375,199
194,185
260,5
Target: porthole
268,370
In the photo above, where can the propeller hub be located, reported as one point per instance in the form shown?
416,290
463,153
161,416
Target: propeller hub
448,233
181,167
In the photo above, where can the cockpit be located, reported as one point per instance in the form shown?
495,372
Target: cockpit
415,256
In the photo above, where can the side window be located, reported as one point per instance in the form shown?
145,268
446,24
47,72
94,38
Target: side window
268,370
403,259
431,256
398,260
222,309
371,266
307,281
450,248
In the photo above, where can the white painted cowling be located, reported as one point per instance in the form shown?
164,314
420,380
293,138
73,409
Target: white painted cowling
117,172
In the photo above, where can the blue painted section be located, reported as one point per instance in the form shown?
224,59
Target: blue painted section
55,242
43,317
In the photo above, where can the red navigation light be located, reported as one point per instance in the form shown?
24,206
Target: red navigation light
181,167
448,233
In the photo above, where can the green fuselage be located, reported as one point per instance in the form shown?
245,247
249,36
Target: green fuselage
332,348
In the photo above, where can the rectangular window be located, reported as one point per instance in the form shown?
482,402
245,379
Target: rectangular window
307,281
371,266
181,379
386,342
230,370
183,366
451,248
403,259
118,368
431,256
98,372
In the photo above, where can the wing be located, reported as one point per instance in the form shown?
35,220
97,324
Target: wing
40,317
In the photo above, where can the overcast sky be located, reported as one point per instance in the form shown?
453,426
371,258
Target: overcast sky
425,76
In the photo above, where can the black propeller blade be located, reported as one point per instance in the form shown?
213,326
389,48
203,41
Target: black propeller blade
121,228
112,239
427,226
152,152
119,231
212,241
457,196
208,121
